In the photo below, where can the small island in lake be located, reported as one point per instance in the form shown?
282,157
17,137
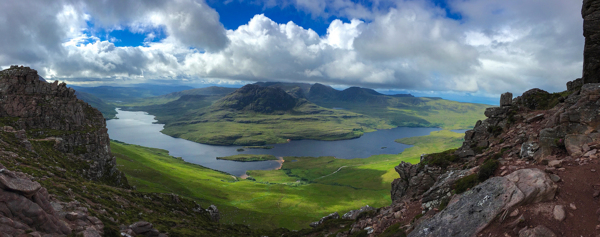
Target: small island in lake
258,147
248,157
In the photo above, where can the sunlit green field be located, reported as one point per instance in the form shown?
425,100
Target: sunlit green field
299,193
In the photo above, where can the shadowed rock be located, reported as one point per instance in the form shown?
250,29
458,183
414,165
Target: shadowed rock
591,31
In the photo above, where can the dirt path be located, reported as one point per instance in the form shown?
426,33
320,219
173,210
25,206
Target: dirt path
331,173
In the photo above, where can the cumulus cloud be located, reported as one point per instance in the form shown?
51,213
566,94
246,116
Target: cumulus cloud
497,46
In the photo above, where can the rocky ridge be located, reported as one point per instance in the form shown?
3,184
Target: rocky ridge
52,112
529,169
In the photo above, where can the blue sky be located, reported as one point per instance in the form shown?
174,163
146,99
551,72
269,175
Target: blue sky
475,48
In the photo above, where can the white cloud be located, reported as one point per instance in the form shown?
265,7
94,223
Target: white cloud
498,46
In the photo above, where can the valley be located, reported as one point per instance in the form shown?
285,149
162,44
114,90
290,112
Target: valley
277,198
271,113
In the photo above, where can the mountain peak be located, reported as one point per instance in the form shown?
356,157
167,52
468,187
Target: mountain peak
258,99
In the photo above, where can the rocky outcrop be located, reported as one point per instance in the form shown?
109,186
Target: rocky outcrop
575,84
475,209
25,207
353,214
414,180
591,31
51,110
331,216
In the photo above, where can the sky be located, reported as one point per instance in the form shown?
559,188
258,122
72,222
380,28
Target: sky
478,48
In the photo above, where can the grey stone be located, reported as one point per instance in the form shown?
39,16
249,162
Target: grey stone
555,178
559,213
528,149
538,231
476,208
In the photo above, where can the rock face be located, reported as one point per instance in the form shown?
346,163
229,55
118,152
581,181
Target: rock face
25,207
414,180
476,208
591,31
575,84
52,111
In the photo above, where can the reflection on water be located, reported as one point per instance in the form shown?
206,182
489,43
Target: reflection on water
138,128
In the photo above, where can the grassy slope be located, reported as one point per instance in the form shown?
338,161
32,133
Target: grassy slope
291,197
418,111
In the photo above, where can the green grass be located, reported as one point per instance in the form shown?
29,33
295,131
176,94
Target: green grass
248,157
299,193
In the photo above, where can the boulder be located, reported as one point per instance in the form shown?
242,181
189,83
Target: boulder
559,213
24,205
535,184
476,208
538,231
574,144
16,181
591,31
351,215
214,213
506,99
528,149
473,211
331,216
143,228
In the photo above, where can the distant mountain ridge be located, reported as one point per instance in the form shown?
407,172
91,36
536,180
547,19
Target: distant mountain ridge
258,99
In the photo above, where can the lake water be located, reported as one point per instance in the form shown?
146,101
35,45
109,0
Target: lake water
139,128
